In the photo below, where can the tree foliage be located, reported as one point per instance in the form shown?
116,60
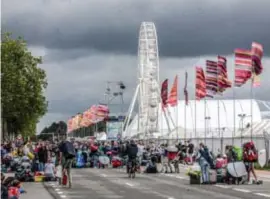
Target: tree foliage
23,83
56,128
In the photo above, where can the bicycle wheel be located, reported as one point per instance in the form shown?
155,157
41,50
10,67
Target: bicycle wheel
133,172
129,173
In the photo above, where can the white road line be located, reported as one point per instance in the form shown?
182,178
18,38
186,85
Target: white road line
103,175
222,186
180,177
59,192
170,198
263,194
242,190
131,185
57,189
62,196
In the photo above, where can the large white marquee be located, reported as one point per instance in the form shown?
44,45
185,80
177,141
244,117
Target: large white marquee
204,121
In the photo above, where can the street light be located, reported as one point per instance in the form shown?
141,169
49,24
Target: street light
207,118
110,95
241,125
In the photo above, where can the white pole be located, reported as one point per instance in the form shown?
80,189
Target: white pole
205,117
195,107
185,118
177,103
234,112
218,107
251,106
131,108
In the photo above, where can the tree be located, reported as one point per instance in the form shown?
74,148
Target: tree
23,82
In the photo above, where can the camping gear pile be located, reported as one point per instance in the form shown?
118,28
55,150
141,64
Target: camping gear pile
231,169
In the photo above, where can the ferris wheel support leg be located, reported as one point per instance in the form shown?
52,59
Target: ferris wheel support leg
131,108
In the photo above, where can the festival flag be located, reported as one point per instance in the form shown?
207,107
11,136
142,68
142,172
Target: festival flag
243,67
74,126
93,111
223,81
257,54
69,125
173,97
80,117
86,120
164,93
185,88
200,83
211,79
256,81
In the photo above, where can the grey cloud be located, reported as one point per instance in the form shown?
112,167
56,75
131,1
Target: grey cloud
184,28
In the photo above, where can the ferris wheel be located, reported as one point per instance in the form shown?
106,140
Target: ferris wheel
148,76
147,91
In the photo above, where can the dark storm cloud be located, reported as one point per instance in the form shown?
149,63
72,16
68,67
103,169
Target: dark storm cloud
185,28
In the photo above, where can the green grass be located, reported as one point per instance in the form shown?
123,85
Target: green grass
258,167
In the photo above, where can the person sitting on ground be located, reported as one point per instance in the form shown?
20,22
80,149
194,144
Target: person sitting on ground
4,188
49,170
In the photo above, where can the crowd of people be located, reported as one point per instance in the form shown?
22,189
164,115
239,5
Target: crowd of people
54,159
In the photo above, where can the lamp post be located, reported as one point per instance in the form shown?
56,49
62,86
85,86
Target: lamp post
112,93
241,125
207,121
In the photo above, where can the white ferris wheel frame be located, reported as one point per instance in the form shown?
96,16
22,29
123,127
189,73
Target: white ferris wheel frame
147,91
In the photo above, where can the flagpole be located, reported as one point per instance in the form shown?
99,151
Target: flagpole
251,106
234,112
195,107
205,120
177,122
218,107
185,105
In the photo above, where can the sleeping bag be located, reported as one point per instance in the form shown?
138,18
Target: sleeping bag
79,159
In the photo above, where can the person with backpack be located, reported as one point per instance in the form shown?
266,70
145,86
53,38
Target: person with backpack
132,151
67,154
190,150
205,161
250,155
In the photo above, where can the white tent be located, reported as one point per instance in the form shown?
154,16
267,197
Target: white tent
228,119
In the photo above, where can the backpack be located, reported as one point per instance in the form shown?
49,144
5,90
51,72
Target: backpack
132,150
68,150
207,156
250,153
237,153
94,148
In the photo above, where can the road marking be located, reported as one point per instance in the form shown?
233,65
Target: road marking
222,186
263,194
59,192
170,198
242,190
131,185
103,175
180,177
62,196
57,189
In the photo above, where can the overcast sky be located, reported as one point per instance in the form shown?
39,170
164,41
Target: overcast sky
85,43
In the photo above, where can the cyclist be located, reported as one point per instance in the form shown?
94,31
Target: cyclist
132,150
67,153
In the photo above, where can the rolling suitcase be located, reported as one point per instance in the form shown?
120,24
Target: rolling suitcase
213,176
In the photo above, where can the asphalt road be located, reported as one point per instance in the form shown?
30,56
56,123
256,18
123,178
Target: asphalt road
114,183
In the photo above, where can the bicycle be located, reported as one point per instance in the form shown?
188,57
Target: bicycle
132,168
